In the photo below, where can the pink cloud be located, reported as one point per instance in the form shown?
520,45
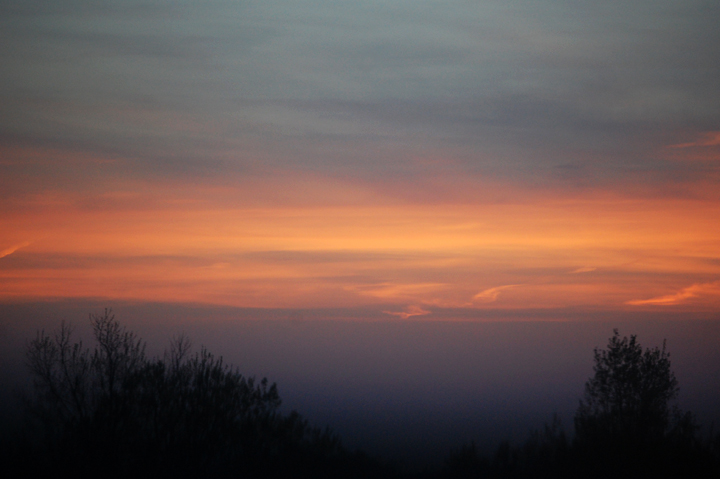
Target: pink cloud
711,138
490,295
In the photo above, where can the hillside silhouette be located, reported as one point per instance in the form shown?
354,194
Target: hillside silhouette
112,411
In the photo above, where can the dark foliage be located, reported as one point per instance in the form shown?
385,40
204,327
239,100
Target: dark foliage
627,426
113,412
627,423
628,401
544,455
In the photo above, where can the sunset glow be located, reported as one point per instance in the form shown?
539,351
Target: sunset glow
481,160
420,220
184,243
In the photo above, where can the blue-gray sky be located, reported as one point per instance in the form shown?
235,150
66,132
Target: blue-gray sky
576,90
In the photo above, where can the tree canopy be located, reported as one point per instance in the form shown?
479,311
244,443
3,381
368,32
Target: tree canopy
630,396
628,423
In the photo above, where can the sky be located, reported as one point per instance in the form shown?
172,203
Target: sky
392,160
417,217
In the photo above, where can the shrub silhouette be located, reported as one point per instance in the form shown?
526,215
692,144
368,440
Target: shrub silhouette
112,411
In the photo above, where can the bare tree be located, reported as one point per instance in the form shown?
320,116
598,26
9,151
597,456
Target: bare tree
113,408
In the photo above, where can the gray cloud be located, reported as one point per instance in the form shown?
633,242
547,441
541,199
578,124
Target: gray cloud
509,88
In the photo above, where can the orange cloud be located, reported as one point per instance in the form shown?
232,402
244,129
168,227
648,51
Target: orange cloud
693,291
409,311
203,244
12,249
584,269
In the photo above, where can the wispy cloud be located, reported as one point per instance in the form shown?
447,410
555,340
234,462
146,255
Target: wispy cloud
12,249
693,291
397,291
584,269
490,295
408,312
711,138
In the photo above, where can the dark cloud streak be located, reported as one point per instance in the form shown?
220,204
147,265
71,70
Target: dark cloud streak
507,89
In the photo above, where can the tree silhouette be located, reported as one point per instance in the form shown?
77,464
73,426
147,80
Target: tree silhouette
629,397
626,426
627,423
112,411
78,390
